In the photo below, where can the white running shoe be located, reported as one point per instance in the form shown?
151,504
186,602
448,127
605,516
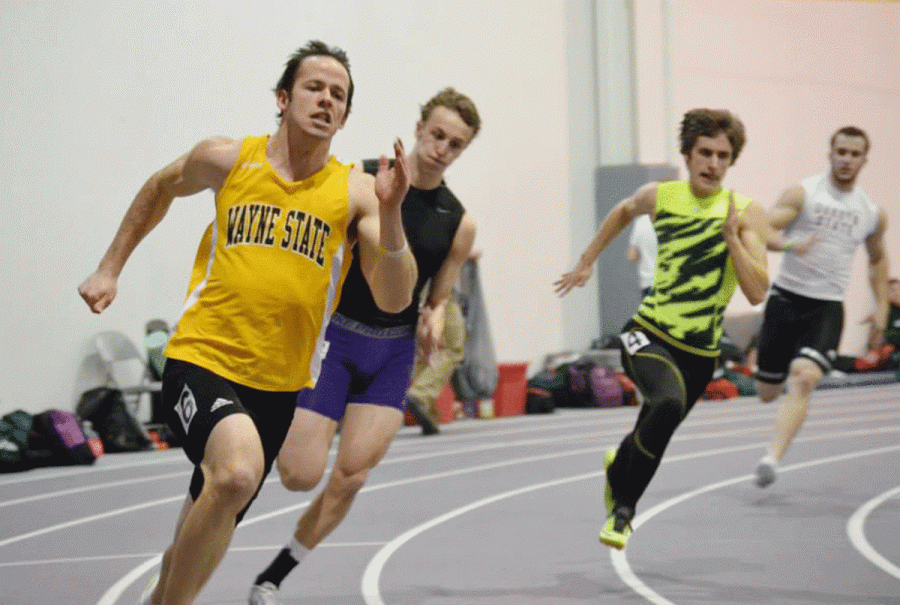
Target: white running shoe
766,471
147,595
263,594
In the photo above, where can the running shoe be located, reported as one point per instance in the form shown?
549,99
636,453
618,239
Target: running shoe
617,529
766,471
147,594
263,594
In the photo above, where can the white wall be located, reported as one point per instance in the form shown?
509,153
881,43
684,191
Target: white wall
98,95
795,72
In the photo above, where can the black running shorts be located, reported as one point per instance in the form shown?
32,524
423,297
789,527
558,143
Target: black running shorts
797,326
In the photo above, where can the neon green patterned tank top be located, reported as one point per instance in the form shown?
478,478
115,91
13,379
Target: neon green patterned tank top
695,276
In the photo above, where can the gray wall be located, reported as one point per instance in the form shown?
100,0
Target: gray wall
617,278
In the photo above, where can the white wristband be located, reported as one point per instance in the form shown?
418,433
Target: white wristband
393,253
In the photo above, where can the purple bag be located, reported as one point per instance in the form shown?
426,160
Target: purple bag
605,387
61,434
579,385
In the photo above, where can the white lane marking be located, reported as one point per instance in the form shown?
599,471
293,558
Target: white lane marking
370,579
117,589
73,523
824,400
44,473
486,447
121,556
620,561
87,488
856,532
371,576
372,573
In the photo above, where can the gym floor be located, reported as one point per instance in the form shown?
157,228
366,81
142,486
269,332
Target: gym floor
507,512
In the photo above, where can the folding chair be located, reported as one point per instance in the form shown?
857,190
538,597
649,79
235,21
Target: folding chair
125,367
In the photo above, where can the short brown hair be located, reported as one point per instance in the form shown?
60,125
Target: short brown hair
458,102
709,123
851,131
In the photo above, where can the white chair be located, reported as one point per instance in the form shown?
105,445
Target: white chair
126,368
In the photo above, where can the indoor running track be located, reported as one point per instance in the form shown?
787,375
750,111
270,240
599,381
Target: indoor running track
506,512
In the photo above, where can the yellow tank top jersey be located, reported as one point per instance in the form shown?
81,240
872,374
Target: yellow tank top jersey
695,275
267,275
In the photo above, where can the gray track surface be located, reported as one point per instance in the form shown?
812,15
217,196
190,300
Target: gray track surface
506,512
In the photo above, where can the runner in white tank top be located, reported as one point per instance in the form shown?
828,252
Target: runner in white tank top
824,220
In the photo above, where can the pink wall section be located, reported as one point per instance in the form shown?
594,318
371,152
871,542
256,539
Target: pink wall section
795,71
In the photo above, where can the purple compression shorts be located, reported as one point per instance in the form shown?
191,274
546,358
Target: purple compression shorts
362,364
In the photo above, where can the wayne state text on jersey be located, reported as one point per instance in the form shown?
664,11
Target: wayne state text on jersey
257,224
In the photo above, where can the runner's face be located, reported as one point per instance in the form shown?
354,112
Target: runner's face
848,154
318,100
707,163
440,139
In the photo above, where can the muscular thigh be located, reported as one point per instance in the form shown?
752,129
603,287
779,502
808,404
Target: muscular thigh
304,453
366,435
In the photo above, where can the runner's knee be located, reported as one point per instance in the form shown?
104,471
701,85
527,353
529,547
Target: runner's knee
298,478
667,411
804,375
346,482
234,484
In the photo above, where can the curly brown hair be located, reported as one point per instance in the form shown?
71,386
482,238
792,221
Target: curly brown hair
709,123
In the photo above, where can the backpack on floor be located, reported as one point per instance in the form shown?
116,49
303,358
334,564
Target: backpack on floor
60,433
14,429
538,400
606,389
107,411
720,388
579,384
547,390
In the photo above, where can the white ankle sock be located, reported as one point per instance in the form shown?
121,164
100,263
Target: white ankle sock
297,550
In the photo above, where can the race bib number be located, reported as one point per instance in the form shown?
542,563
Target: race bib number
634,341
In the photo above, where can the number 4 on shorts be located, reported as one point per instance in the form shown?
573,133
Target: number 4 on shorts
634,341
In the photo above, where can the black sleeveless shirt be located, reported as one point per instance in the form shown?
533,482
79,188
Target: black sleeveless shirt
430,220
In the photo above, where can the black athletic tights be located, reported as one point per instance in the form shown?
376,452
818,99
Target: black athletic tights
671,381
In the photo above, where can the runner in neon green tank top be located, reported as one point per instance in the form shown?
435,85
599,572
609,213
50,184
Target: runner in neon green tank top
710,242
695,277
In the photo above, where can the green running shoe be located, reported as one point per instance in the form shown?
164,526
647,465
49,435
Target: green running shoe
617,529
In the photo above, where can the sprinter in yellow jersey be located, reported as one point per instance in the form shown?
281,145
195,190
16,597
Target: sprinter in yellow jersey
265,282
710,241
